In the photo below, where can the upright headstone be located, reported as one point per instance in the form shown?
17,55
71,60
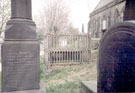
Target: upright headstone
20,50
116,63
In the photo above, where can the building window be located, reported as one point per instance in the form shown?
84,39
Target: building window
116,16
104,24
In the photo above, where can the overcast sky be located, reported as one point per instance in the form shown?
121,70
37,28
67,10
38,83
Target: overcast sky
79,10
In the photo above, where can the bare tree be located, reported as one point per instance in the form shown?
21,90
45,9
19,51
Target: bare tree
72,30
4,14
54,17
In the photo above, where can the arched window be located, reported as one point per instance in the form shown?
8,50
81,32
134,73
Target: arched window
93,27
122,13
116,16
98,26
109,19
104,22
104,25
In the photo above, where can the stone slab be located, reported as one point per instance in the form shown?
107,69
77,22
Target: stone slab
88,87
21,66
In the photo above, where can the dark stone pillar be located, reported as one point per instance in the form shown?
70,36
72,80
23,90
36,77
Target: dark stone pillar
21,9
116,62
20,51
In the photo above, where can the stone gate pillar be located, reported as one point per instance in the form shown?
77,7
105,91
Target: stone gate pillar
20,51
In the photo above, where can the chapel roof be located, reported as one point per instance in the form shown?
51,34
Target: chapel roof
102,3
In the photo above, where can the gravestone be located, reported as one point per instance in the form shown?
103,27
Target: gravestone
20,51
116,63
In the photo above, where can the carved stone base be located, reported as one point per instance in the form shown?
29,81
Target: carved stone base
20,62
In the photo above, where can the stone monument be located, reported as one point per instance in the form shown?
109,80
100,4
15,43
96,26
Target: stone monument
116,63
20,51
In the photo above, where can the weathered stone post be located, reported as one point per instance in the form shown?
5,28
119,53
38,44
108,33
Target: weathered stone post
116,64
20,51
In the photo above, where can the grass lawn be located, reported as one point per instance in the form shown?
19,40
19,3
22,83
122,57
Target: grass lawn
67,79
68,87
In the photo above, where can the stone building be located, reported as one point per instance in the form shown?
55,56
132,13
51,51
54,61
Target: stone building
106,13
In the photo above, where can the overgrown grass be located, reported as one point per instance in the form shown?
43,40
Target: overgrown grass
67,79
42,67
57,74
68,87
